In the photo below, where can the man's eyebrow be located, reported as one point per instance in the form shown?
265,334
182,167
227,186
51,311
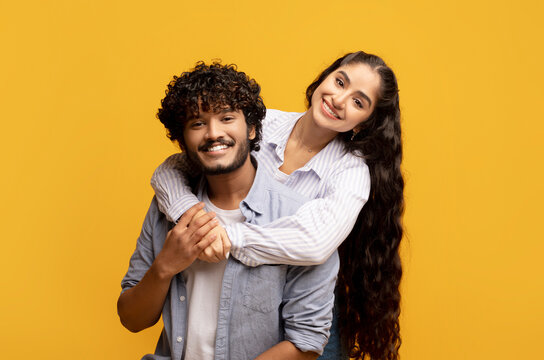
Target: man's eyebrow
226,110
359,92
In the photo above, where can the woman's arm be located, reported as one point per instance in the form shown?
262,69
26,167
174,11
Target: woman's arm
307,238
175,196
171,186
312,234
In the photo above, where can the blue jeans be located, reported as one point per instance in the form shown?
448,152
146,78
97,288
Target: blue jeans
333,350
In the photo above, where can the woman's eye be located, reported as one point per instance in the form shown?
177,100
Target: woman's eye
340,82
358,103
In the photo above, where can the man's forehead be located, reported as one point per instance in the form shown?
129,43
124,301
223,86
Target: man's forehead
210,109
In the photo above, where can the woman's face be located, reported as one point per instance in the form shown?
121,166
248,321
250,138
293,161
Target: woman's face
345,98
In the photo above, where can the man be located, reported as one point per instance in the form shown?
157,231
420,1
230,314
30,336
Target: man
223,310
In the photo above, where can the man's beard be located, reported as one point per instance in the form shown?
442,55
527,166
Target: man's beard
239,160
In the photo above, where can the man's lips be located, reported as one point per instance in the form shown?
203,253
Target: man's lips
216,146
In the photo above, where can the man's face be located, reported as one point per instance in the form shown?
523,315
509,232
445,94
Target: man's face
218,142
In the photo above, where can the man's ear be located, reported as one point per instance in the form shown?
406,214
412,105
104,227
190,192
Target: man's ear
181,144
251,132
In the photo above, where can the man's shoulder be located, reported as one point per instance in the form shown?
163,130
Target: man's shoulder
281,192
278,191
155,218
268,199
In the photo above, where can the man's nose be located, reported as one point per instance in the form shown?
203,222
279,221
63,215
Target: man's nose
214,131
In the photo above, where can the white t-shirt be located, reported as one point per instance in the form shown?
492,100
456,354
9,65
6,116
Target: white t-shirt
203,282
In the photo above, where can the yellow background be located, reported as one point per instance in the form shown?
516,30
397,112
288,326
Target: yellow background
80,85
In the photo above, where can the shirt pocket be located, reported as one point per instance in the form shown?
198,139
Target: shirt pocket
264,288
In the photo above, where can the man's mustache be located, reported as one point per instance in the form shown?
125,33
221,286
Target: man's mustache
209,143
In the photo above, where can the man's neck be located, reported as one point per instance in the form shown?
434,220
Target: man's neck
226,191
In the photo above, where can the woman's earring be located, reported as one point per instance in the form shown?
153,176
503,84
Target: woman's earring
353,133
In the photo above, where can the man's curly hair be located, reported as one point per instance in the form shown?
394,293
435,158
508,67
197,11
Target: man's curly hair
217,87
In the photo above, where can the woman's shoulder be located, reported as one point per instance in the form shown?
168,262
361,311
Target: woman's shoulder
274,116
277,123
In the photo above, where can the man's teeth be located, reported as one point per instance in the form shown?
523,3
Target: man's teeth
329,110
217,148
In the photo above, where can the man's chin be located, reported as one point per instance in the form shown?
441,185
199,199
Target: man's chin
218,170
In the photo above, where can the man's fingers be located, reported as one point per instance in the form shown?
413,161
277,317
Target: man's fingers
202,221
186,218
205,230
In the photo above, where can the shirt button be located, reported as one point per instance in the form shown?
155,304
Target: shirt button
182,298
179,339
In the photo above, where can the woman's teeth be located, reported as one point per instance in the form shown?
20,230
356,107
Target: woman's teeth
329,110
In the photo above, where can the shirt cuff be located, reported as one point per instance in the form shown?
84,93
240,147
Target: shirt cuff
237,250
180,206
306,340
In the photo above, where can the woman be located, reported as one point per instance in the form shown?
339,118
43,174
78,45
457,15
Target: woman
344,151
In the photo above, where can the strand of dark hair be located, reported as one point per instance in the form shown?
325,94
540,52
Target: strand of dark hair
370,274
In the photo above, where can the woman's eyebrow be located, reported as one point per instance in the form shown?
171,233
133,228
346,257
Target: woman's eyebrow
359,92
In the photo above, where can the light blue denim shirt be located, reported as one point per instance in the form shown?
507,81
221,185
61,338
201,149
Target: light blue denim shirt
259,306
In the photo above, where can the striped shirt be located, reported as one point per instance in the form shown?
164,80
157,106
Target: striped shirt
339,183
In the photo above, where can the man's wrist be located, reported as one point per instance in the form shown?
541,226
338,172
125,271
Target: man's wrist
160,272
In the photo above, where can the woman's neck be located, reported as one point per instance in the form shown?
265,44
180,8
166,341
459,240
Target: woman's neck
306,136
305,141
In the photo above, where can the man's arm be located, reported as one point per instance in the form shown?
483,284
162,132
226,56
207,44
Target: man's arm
287,351
140,306
308,301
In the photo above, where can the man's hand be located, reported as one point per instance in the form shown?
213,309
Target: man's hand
186,241
219,248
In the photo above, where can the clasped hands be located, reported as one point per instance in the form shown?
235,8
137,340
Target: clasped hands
220,247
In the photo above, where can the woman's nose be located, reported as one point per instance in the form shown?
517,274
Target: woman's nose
338,100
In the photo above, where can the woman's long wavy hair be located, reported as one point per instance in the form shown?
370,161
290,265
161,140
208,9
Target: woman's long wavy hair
367,290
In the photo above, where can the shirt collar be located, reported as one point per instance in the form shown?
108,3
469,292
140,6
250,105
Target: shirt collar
319,164
258,196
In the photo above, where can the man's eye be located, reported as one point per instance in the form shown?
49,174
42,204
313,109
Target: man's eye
227,118
197,124
340,82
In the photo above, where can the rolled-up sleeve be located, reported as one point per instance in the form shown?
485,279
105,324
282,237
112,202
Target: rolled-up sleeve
308,304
